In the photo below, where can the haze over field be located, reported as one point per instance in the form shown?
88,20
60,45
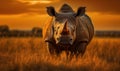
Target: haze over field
25,14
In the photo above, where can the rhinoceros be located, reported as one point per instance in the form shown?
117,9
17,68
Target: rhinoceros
68,31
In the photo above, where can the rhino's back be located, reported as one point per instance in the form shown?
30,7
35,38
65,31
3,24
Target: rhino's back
85,28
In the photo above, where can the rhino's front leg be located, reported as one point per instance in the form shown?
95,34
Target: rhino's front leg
51,48
80,49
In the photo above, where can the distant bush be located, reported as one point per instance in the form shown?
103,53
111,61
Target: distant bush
107,33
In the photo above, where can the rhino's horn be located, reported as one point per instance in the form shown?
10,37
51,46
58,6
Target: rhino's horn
65,30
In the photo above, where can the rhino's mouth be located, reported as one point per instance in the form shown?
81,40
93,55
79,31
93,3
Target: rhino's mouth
64,41
64,46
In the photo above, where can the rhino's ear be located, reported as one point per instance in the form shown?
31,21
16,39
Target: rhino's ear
51,11
80,11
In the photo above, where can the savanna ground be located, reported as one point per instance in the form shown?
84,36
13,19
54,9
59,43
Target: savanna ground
30,54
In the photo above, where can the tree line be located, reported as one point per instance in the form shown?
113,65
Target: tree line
37,32
6,32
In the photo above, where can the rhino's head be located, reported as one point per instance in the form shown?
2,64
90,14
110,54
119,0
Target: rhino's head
64,24
64,30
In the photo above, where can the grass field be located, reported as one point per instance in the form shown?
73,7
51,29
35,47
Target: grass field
30,54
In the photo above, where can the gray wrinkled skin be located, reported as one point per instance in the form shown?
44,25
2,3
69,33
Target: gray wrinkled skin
68,31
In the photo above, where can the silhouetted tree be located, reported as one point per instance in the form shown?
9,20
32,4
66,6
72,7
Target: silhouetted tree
4,30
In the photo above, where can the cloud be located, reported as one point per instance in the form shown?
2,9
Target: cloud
102,6
11,7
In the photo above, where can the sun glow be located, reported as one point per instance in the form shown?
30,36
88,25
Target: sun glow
40,1
37,1
45,1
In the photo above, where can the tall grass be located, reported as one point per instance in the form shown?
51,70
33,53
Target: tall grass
30,54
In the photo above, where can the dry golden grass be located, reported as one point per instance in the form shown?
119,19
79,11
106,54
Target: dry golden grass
30,54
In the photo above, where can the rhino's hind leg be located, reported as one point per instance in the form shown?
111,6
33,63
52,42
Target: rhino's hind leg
80,49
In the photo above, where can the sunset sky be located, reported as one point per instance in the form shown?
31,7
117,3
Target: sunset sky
26,14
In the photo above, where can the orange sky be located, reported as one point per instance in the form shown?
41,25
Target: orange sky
25,14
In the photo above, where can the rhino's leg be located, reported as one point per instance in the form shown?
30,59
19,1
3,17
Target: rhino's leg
67,54
70,53
51,48
80,49
57,51
71,56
